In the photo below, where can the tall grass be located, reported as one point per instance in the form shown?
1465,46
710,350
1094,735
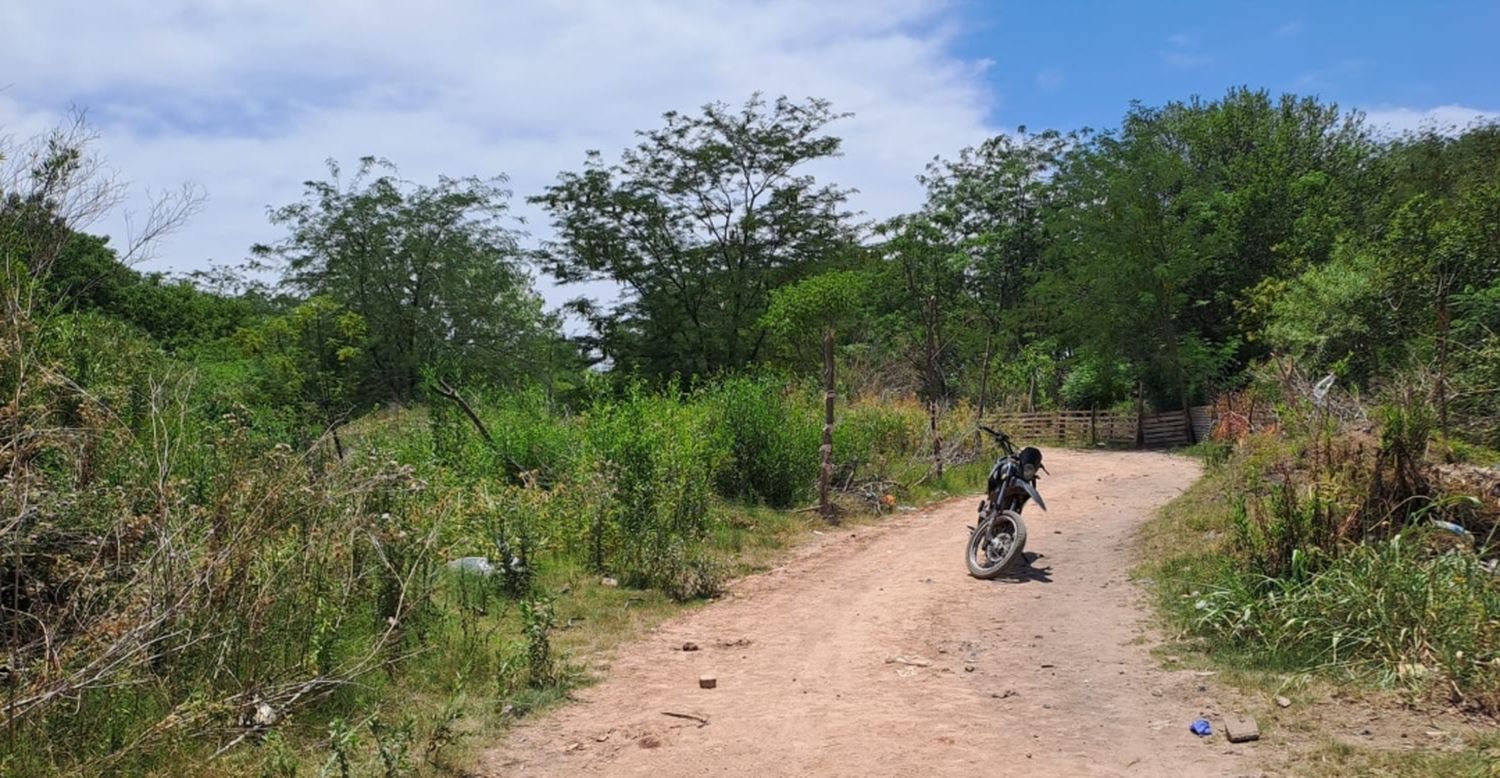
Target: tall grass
1389,610
182,577
1322,560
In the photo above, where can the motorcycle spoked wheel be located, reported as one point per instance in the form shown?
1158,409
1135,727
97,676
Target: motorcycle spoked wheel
996,545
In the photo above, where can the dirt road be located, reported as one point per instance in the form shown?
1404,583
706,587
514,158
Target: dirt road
873,653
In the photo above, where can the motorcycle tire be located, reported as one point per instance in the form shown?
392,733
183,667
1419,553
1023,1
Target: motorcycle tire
984,561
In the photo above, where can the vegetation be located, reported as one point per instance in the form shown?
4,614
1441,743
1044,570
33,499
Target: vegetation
1313,552
239,513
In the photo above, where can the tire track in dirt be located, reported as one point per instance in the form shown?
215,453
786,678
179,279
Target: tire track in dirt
1048,673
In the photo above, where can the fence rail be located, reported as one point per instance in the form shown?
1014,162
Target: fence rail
1150,430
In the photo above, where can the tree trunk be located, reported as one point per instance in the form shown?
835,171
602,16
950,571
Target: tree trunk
825,452
1444,320
937,440
984,385
1187,412
445,390
1140,414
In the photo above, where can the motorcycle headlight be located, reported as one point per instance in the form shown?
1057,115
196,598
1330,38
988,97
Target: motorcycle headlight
1028,472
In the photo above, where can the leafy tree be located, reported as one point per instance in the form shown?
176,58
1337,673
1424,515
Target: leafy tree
820,305
87,275
698,223
433,271
1170,223
991,203
926,306
306,360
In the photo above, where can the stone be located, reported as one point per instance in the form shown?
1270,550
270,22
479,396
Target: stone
1283,702
690,646
707,682
1241,729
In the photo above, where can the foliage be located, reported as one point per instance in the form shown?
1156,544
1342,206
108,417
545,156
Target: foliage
307,359
772,439
433,271
698,223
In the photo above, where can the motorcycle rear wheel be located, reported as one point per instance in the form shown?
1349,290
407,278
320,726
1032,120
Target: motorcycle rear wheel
996,545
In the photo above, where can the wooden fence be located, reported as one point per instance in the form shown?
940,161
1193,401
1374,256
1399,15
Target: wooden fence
1152,430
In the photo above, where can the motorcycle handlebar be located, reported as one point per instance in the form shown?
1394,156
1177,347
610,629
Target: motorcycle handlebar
1001,438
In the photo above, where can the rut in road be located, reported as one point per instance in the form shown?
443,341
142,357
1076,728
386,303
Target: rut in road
873,652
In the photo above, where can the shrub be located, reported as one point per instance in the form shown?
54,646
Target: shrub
658,456
1387,609
772,438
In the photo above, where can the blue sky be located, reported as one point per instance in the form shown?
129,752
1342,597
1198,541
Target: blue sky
247,99
1074,64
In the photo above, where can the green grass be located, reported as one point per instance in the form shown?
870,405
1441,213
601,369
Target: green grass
1391,620
447,704
1475,757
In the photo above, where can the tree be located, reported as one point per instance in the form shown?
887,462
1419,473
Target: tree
1171,223
990,204
698,223
432,270
820,304
926,302
305,361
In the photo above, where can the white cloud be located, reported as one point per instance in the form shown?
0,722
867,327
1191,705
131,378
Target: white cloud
1182,52
1178,59
248,99
1442,118
1049,79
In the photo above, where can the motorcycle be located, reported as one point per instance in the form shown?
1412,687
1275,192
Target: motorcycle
997,543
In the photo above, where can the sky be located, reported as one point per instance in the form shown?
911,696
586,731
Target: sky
247,98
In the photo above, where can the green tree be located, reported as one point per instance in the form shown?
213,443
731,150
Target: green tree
991,203
697,224
1171,223
925,304
433,270
819,306
306,360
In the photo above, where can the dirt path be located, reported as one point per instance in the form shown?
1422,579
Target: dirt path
1050,674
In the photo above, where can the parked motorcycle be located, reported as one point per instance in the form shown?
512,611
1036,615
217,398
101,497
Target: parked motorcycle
999,540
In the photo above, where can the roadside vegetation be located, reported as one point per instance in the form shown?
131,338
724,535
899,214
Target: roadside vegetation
336,510
1342,547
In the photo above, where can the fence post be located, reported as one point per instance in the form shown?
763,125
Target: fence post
1140,416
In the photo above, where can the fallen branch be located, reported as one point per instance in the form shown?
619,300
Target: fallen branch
702,722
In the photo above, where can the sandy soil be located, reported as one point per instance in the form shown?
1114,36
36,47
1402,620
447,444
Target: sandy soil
873,653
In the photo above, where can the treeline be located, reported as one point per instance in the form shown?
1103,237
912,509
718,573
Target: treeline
1160,259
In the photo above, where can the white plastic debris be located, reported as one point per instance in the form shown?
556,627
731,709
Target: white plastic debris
476,565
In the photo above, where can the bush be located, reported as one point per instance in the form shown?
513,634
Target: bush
1389,609
873,439
772,439
658,456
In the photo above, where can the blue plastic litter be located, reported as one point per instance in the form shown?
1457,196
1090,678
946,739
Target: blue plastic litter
1202,728
1450,526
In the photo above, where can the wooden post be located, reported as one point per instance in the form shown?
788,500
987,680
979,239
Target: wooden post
984,383
937,441
1094,425
1140,415
825,451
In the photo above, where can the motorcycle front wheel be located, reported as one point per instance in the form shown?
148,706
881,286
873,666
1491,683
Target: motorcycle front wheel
996,545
